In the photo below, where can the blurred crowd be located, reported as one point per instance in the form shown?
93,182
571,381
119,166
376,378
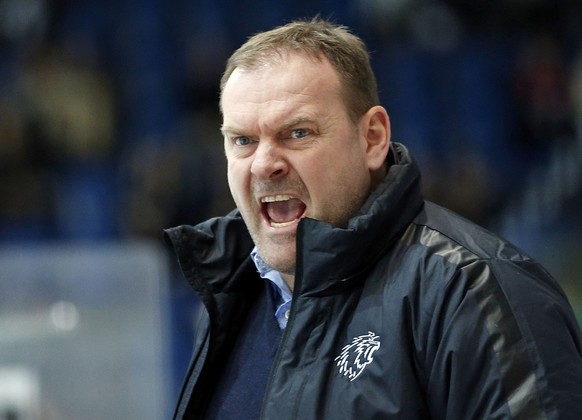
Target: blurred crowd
109,120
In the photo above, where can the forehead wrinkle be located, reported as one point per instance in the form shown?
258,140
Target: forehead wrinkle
282,114
293,104
235,127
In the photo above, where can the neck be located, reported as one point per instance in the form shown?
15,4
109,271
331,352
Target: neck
289,279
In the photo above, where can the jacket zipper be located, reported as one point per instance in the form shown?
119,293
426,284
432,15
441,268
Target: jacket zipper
281,348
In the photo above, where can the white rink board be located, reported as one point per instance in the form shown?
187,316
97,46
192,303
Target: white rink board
84,332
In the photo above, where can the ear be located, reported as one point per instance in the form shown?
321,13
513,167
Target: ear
375,129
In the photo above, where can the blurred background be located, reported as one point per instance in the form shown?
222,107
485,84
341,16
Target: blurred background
109,132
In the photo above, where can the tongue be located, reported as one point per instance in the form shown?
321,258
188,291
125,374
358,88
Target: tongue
285,211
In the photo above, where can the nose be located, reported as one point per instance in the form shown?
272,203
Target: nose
269,161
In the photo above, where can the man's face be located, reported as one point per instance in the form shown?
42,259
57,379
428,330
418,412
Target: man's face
292,152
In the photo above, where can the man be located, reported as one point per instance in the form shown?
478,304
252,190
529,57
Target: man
335,291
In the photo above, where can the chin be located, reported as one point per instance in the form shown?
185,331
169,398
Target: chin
283,260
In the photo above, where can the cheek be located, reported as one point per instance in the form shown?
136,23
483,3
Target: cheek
339,169
341,183
235,182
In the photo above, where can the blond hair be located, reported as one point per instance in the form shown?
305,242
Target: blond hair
317,39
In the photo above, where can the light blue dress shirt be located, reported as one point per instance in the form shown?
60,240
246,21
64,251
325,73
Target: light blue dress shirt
282,291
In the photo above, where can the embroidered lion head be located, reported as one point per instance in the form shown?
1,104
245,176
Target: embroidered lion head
357,355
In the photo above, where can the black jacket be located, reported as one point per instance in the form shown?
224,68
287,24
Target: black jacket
411,312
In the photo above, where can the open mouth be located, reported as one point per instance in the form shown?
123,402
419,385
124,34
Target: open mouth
282,210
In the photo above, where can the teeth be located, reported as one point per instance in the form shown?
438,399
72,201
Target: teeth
277,225
273,198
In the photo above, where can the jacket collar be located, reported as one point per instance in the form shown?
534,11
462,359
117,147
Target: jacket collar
328,258
212,252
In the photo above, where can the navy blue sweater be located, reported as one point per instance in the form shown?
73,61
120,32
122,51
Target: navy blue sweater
240,389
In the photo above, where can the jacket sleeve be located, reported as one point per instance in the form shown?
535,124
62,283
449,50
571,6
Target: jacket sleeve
183,408
507,346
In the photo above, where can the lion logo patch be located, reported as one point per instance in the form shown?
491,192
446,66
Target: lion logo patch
357,355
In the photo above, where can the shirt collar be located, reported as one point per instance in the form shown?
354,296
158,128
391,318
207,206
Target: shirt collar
267,272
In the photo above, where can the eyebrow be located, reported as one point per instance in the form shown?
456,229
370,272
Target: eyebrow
302,119
226,129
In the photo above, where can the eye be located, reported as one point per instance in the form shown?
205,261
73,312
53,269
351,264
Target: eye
299,133
242,141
